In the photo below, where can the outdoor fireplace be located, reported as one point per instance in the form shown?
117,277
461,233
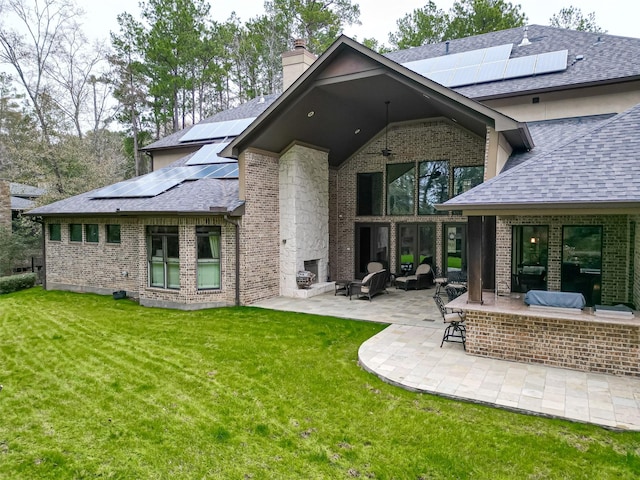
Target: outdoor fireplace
309,275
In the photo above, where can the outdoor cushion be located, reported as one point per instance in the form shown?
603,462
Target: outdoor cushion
367,278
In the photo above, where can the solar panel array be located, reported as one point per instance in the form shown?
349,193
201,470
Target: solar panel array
487,65
209,131
208,154
164,179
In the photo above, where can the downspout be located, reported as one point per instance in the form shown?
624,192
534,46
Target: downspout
44,252
236,223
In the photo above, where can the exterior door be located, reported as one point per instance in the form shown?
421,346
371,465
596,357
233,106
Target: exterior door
372,245
455,247
416,245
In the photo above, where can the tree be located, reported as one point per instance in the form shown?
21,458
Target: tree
429,24
424,25
317,22
45,24
474,17
572,17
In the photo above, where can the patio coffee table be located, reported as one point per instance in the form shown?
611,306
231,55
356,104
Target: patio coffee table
342,287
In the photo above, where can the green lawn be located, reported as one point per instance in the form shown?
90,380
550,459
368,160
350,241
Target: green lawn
95,387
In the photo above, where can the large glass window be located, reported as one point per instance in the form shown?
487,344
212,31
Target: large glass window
582,261
369,193
372,245
75,232
91,233
400,188
433,186
465,178
208,257
55,232
164,257
113,233
416,245
529,254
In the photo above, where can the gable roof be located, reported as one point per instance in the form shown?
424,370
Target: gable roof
344,91
605,59
598,169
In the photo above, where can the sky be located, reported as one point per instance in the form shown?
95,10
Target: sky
378,17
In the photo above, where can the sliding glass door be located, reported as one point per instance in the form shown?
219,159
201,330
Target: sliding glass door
582,261
455,247
372,245
416,245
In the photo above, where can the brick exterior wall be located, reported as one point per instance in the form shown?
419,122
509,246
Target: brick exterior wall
617,258
591,345
260,230
5,204
411,142
104,267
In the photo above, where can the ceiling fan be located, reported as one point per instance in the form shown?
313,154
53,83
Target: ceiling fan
386,151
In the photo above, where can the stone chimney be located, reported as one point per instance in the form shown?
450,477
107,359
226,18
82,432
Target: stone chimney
5,204
295,62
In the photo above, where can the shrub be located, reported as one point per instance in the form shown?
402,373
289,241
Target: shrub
17,282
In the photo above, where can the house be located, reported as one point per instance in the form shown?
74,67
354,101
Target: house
16,198
369,157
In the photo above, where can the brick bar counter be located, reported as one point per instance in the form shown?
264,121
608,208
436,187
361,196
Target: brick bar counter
506,328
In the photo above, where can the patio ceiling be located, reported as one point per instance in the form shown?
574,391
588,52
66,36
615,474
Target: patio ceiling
345,91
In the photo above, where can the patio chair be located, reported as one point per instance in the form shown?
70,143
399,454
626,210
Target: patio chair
423,278
455,330
439,279
370,285
454,290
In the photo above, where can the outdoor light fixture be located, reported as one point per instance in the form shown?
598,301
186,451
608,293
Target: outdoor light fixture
357,131
311,114
533,240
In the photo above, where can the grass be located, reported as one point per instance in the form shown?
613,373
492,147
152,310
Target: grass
95,387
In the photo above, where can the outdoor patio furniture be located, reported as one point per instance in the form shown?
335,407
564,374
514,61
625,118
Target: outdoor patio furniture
342,287
370,285
455,330
440,280
454,290
423,278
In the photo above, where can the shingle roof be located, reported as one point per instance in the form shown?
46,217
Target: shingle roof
250,109
25,191
19,203
612,58
600,167
197,197
550,134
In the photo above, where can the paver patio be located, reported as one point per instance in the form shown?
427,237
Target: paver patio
408,354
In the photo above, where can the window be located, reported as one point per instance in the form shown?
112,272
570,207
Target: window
113,233
208,257
164,257
400,188
55,232
433,186
465,178
75,232
416,245
369,194
529,257
582,261
91,233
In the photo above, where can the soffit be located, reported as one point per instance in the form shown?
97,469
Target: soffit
348,94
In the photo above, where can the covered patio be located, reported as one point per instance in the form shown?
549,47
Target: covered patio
408,354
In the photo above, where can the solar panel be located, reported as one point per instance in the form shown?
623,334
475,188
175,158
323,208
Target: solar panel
552,62
464,76
442,77
520,67
489,72
497,53
207,131
487,65
209,154
160,181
